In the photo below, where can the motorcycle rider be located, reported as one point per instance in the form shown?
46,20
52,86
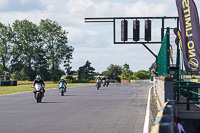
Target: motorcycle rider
98,78
40,81
107,80
62,80
104,80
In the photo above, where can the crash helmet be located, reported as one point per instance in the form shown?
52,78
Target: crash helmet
38,77
62,78
98,76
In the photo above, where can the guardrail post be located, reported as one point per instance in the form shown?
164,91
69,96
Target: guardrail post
175,90
178,92
166,125
188,99
165,119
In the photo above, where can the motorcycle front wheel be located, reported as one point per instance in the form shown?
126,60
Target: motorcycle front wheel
38,97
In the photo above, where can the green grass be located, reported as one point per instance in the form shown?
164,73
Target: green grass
27,87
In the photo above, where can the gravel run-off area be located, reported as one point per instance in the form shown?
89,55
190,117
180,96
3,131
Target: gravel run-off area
153,109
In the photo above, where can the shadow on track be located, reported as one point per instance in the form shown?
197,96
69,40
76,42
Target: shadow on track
70,95
52,102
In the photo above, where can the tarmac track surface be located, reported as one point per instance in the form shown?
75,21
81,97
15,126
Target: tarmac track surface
119,108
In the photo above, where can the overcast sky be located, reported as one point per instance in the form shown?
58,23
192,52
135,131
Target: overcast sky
94,42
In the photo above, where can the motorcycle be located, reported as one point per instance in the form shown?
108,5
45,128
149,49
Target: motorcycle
98,84
104,83
38,92
61,88
107,82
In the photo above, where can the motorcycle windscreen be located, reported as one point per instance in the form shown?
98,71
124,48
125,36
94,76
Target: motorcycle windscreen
61,85
38,87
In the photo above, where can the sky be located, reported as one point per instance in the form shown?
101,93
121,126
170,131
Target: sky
94,41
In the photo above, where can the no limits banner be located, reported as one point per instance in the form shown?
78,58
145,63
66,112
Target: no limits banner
190,33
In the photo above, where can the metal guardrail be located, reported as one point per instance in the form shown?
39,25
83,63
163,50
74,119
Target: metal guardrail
164,122
189,90
142,81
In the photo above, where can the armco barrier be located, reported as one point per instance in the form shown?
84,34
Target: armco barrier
132,81
92,81
164,122
78,81
8,83
194,80
13,83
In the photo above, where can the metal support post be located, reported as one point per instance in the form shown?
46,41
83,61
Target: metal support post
188,98
168,59
149,50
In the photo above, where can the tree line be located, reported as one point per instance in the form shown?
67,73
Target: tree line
27,49
115,72
118,72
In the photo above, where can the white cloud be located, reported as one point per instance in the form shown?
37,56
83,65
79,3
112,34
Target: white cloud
3,3
83,38
23,1
75,35
78,7
142,8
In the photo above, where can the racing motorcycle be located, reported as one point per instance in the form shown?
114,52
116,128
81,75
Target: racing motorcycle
38,92
104,83
61,88
98,83
107,82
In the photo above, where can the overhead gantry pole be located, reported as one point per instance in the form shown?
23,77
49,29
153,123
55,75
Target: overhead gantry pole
113,20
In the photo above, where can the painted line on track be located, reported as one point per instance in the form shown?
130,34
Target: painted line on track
146,122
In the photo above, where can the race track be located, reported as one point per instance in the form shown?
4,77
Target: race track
119,108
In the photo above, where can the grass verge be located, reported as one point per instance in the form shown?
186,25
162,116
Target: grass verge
27,87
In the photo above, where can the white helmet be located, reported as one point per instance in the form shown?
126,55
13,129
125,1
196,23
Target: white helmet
38,77
62,78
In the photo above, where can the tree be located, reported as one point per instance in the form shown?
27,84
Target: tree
142,74
5,45
126,67
86,72
55,41
113,71
25,40
32,49
127,73
67,62
40,64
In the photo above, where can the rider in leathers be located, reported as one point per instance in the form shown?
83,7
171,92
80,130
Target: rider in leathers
63,81
40,81
98,78
104,80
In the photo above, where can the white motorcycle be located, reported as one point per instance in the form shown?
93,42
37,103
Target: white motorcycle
38,92
98,83
62,88
107,82
104,83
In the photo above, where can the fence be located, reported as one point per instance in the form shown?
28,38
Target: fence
189,90
163,56
8,83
